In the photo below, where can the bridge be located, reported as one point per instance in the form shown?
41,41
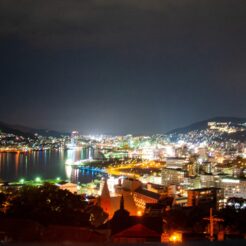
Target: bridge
92,169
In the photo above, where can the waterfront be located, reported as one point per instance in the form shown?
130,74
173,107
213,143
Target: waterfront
49,164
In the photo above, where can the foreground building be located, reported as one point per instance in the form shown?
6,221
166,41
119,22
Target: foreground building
136,234
111,204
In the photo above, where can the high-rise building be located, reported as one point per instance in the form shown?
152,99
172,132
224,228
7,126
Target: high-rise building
172,176
74,137
207,180
233,187
210,197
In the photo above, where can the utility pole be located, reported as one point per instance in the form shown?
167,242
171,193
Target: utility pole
212,220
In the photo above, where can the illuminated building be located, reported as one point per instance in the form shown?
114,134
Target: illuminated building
169,151
203,153
131,184
143,196
207,180
172,176
150,179
180,201
68,186
174,162
207,167
110,204
74,140
223,127
171,190
148,153
154,210
233,187
156,188
194,182
210,197
105,202
74,137
191,169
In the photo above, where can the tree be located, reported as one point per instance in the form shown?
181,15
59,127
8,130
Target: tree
97,215
48,204
3,202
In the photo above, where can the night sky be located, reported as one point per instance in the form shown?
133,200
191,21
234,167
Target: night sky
121,66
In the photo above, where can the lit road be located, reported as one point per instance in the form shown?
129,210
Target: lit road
123,169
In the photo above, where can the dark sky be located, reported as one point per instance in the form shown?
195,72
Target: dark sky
121,66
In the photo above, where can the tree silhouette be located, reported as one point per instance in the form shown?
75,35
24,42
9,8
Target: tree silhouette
48,204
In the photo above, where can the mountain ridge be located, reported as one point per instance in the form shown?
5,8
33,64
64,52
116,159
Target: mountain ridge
28,131
200,125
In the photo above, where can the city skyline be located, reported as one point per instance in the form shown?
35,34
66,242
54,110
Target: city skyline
123,121
121,67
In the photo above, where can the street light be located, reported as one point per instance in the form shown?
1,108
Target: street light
38,179
175,237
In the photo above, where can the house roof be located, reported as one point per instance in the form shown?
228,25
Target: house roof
148,193
58,233
129,204
137,231
205,189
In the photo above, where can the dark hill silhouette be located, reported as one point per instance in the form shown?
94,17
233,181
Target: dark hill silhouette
6,128
24,131
202,125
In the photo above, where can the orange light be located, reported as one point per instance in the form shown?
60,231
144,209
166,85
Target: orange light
139,213
176,237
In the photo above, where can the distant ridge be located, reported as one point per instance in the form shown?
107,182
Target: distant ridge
202,125
200,131
6,128
28,131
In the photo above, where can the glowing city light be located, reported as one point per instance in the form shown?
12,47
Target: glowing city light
175,237
38,179
235,181
69,162
139,213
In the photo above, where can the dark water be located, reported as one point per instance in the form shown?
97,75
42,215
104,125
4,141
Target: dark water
48,164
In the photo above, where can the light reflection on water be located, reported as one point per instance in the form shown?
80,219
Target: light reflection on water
48,164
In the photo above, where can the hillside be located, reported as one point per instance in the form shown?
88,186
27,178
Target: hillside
234,129
6,128
202,125
27,131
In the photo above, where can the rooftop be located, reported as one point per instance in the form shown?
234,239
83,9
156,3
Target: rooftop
148,193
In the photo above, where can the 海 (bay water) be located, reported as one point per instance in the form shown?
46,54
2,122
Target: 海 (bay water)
49,164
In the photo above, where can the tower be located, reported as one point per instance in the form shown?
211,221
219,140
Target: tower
122,203
105,199
121,218
212,220
74,137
